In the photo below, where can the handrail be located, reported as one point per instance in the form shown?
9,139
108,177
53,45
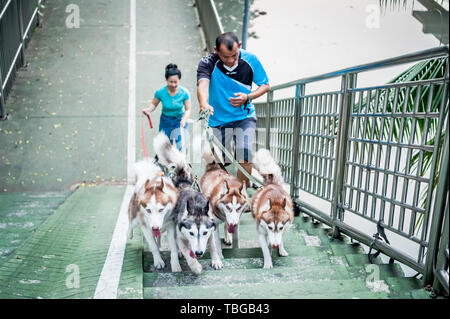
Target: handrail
402,59
317,143
210,21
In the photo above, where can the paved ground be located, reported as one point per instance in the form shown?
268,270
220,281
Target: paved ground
68,126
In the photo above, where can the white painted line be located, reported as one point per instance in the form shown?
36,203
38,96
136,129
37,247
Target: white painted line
132,95
108,282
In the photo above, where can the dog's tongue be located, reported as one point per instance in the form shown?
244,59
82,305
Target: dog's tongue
156,233
191,253
231,229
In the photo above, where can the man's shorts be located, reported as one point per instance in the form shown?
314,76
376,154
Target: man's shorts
243,134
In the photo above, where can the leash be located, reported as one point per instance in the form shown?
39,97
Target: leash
143,135
212,139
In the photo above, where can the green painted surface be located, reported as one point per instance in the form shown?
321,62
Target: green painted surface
74,239
20,216
131,278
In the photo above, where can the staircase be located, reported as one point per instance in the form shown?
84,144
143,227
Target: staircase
317,267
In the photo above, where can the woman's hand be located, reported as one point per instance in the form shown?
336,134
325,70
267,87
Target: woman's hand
147,111
183,122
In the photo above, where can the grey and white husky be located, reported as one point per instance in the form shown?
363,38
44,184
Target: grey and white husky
192,213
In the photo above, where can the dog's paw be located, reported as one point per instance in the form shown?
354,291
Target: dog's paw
176,267
228,239
216,264
196,268
159,263
268,265
282,252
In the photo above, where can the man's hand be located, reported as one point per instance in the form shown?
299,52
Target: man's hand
183,123
240,99
207,106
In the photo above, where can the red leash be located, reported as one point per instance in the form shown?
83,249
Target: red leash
142,133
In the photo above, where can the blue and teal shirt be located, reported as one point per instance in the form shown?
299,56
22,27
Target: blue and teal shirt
172,106
224,82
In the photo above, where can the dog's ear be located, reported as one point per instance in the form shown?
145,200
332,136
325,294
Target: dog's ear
266,206
147,185
284,203
185,212
243,189
206,207
188,206
161,185
224,187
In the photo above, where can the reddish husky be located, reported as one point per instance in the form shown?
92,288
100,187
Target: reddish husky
228,197
272,207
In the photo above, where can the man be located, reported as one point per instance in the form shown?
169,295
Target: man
224,80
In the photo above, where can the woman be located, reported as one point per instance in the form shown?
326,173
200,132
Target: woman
176,106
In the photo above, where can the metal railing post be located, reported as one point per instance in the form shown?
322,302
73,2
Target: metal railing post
2,99
348,82
438,214
21,29
245,24
299,92
269,100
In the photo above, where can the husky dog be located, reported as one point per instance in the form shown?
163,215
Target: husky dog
228,198
151,205
192,213
272,207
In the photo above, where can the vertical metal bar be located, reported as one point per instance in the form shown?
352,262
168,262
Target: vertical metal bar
348,81
299,93
2,96
369,155
434,166
268,109
438,213
378,155
21,29
362,153
245,24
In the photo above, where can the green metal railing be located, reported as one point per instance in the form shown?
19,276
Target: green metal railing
210,21
16,20
374,152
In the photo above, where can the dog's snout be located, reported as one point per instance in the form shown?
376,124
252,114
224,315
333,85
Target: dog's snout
155,228
275,246
199,253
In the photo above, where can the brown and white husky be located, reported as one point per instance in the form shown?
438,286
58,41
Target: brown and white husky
272,207
151,206
228,197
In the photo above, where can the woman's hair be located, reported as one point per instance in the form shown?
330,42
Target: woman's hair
172,69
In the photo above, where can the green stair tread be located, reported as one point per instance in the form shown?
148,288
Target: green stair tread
292,290
402,287
362,259
246,276
381,271
256,252
257,263
420,294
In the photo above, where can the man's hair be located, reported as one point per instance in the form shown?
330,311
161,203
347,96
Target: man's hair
228,39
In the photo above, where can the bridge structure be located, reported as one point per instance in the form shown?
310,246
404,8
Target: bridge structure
71,95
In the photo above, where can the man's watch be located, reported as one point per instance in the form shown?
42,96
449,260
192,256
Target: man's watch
249,99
